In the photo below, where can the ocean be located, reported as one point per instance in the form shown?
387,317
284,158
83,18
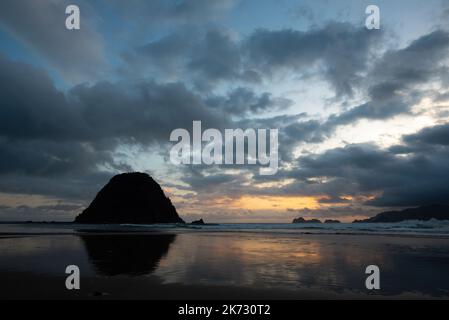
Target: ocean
407,228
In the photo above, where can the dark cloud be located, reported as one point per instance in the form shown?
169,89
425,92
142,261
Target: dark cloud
28,98
244,102
49,140
81,55
68,187
64,144
211,183
167,55
216,58
52,138
170,11
141,112
297,133
437,135
144,112
205,56
59,212
40,25
48,158
396,180
393,87
416,64
304,131
375,110
61,207
393,83
339,49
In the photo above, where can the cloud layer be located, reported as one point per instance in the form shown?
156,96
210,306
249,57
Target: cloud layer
72,110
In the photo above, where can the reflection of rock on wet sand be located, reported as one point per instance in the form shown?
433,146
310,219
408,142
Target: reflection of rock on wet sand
126,254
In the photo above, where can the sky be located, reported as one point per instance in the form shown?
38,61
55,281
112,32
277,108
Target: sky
362,115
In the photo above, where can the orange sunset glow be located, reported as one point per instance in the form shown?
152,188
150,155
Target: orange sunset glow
276,202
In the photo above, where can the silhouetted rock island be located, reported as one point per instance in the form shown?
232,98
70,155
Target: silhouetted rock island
130,198
201,221
302,220
332,221
438,212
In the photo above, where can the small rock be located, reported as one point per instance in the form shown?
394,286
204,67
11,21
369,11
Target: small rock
198,222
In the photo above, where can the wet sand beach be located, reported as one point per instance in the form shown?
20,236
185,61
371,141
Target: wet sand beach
189,264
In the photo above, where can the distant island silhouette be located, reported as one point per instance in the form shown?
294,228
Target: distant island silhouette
130,198
436,211
424,213
302,220
332,221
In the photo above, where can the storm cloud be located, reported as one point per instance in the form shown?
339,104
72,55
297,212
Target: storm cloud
40,26
74,103
414,176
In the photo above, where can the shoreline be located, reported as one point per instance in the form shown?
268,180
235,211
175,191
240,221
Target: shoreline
128,288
